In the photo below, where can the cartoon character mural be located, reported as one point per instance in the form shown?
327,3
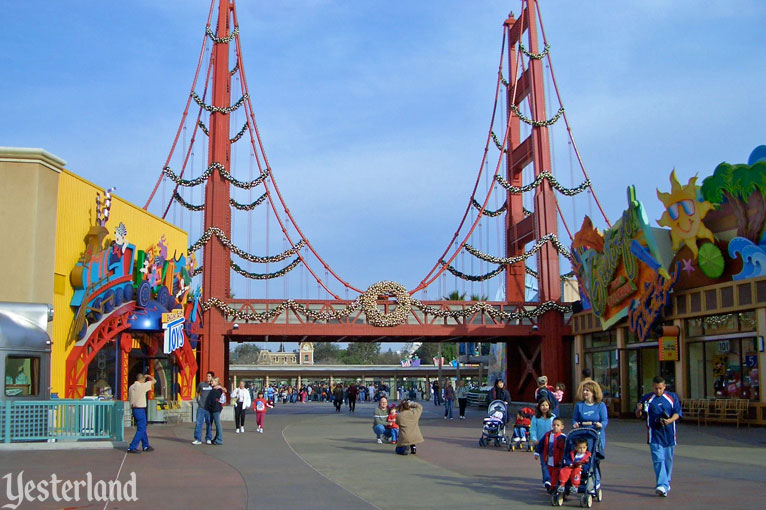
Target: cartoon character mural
684,213
118,290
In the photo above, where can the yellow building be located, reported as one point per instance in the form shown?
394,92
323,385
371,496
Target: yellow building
50,221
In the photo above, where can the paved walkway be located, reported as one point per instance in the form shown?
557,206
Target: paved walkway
312,458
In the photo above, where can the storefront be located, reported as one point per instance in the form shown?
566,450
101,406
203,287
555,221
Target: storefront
699,318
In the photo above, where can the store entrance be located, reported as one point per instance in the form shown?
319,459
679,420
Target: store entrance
643,366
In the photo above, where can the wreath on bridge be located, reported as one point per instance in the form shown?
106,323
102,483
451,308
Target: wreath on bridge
376,317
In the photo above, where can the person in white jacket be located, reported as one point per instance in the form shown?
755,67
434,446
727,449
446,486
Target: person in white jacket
240,397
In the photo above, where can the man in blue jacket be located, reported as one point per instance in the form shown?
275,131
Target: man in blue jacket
661,409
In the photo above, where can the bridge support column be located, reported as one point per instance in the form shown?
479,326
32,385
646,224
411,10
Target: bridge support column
555,349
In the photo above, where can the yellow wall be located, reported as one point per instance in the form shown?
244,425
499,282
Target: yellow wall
76,214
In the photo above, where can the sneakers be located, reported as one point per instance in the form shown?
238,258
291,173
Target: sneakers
242,429
445,417
547,486
380,441
237,431
413,449
132,450
560,489
260,430
573,490
462,417
148,449
209,441
452,418
660,491
195,442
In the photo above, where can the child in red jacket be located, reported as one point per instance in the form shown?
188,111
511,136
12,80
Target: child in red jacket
572,468
550,451
392,426
259,406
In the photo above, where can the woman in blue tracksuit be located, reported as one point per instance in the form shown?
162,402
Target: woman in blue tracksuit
590,411
542,422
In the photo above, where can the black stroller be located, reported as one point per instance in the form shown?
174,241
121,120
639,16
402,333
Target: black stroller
587,490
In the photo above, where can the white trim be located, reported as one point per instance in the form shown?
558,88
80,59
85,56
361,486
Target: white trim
34,161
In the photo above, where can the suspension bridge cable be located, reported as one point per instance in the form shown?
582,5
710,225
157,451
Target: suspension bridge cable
186,110
438,268
566,120
254,127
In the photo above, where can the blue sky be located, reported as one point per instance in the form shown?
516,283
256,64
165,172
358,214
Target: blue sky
374,115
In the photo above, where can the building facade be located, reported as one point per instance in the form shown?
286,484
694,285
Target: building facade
687,302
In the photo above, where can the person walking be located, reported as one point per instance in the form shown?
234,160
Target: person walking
353,391
214,405
241,398
541,424
137,396
260,406
662,409
203,415
590,411
437,393
461,392
408,420
498,392
449,400
338,394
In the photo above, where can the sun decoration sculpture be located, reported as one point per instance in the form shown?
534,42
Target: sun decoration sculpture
375,317
684,214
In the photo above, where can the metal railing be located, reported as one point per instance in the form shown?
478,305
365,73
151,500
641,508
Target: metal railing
69,420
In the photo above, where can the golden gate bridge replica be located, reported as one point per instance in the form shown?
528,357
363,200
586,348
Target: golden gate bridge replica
515,188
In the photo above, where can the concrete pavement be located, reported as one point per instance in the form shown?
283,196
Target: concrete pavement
312,458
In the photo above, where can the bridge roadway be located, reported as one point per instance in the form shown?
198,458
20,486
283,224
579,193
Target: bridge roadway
312,458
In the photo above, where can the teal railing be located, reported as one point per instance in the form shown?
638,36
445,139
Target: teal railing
70,420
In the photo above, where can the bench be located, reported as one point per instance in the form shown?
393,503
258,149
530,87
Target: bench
696,408
729,410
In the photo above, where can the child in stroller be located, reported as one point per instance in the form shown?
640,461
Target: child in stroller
581,462
521,429
493,428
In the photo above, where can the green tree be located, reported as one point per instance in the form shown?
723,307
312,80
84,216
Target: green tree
245,354
327,353
454,296
362,353
739,185
477,297
428,351
388,358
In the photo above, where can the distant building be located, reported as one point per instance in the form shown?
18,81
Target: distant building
304,356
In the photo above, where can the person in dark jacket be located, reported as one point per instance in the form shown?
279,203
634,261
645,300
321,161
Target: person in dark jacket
214,406
498,392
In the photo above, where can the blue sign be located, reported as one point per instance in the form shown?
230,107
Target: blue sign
751,360
174,335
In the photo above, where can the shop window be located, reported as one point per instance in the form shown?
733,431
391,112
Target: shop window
697,370
22,376
601,339
694,327
726,368
606,371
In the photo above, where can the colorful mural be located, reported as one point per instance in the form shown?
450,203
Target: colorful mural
120,297
617,268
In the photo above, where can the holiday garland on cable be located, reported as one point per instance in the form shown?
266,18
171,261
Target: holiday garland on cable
210,232
242,207
219,109
536,123
535,56
222,40
208,171
550,237
551,179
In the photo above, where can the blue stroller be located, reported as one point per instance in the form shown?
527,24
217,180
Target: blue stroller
493,428
587,490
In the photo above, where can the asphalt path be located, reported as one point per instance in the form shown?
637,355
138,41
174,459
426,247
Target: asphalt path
310,457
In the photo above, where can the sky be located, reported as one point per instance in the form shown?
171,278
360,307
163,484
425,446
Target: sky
374,115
